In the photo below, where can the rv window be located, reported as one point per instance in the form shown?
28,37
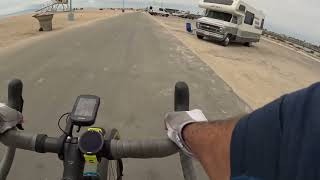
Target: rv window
219,15
160,9
262,24
224,2
242,8
235,20
249,18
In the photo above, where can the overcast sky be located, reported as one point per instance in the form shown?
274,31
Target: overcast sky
299,18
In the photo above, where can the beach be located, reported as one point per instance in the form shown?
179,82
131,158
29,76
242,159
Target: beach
18,28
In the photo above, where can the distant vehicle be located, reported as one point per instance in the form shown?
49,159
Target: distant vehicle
230,21
171,11
192,16
183,14
157,11
175,14
187,15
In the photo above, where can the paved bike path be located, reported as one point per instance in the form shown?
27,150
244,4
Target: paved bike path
132,63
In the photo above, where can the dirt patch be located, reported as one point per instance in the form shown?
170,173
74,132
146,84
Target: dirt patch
17,28
258,74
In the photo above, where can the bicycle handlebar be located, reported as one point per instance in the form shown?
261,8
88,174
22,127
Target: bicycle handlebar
19,139
67,148
118,148
142,149
15,101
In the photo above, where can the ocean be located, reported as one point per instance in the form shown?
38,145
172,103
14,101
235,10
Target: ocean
26,11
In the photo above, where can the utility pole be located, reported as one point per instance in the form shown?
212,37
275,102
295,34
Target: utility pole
122,5
70,14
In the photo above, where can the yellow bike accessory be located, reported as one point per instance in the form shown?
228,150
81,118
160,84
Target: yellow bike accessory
90,166
90,158
96,129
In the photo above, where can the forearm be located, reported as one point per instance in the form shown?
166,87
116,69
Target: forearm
210,143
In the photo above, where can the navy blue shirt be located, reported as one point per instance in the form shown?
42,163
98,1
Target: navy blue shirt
280,141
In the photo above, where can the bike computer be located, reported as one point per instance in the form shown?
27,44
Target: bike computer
85,110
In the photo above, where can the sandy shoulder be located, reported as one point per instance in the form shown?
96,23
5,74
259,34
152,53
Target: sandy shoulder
15,29
258,74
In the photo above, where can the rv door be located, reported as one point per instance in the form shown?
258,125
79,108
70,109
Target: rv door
234,19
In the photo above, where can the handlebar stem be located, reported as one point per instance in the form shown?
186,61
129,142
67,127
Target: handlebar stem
73,162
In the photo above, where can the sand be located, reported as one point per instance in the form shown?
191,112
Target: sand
257,74
18,28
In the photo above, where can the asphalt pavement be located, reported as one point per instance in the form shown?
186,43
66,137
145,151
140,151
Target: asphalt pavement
132,63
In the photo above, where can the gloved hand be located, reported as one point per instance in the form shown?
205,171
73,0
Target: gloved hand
9,118
176,121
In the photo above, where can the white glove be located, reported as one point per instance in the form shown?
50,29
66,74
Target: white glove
176,121
9,118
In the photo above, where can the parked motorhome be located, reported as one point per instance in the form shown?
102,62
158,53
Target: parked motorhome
171,11
157,11
230,21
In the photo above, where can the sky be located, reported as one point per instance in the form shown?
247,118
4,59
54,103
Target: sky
297,18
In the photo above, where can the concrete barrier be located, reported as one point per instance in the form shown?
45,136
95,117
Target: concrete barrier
45,21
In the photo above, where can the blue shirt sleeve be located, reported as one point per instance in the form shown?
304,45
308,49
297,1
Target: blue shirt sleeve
280,140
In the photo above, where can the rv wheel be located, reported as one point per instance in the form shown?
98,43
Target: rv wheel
200,37
248,44
226,41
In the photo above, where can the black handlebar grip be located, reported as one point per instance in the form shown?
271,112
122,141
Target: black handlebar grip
15,99
181,103
181,97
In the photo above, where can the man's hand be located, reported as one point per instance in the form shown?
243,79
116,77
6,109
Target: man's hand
176,121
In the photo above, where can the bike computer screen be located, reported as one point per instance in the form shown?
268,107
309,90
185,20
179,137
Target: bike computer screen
85,110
